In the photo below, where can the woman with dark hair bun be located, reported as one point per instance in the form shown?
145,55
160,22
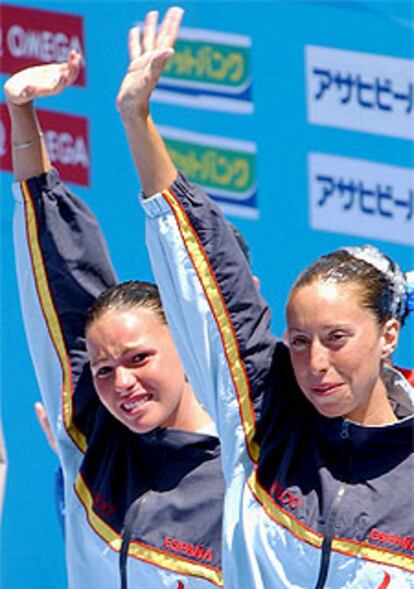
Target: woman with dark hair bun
316,435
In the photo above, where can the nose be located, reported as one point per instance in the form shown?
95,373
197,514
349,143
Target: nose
318,358
124,379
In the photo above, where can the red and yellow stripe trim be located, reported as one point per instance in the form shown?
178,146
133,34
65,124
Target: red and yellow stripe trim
172,563
51,317
351,548
281,516
140,551
225,326
373,553
104,530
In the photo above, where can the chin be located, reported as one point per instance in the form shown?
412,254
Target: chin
327,411
141,428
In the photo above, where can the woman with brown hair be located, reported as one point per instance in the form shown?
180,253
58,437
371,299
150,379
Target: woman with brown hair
140,456
316,435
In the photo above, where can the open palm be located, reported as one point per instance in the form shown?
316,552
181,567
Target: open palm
148,52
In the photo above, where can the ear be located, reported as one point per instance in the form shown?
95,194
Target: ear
390,334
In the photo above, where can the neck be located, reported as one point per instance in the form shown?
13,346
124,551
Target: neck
378,410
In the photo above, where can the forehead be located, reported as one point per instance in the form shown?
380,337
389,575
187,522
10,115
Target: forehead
327,300
124,323
130,313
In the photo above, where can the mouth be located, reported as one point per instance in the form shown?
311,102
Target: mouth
132,406
324,390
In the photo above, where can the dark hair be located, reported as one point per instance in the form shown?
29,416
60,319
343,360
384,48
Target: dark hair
132,294
379,291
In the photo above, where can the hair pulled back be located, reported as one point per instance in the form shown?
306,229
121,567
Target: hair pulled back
382,286
129,295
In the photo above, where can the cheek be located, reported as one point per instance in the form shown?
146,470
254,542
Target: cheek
171,363
102,390
300,365
299,358
165,377
364,354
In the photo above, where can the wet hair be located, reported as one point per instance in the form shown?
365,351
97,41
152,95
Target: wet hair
129,295
135,294
382,286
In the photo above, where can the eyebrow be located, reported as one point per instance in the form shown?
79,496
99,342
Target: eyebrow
137,347
324,327
98,361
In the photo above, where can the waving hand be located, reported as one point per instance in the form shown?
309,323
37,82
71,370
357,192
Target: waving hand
149,51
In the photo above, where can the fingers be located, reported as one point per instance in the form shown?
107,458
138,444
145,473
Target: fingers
150,30
160,59
44,424
74,57
60,81
167,34
73,67
68,72
40,412
134,43
169,27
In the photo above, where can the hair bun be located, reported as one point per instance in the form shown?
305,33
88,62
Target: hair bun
402,299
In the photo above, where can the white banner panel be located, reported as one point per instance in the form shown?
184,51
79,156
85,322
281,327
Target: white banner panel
358,197
360,91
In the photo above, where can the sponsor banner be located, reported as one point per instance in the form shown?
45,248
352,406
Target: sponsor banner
226,168
209,70
30,36
67,140
362,198
360,91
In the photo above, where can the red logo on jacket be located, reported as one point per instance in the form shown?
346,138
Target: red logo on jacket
286,497
198,551
393,540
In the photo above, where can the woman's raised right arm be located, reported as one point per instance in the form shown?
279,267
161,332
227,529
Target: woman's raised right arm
61,257
219,322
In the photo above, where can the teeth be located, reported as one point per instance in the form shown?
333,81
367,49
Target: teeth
131,405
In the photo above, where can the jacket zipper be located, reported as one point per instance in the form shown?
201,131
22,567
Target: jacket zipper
130,518
327,541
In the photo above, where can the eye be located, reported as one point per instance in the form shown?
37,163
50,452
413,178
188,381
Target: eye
102,372
138,359
298,343
337,339
337,336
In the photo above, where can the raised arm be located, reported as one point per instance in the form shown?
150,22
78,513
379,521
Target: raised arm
61,258
219,321
149,51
